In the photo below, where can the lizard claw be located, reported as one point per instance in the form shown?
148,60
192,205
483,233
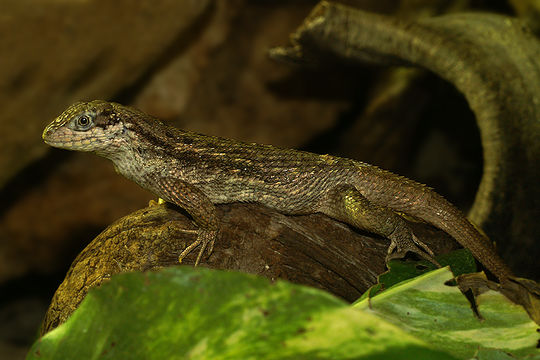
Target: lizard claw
405,242
205,238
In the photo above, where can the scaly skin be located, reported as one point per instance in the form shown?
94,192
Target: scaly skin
196,172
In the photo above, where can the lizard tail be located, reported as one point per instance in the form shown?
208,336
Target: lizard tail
447,217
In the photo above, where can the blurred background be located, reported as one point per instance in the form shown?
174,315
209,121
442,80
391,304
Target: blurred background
203,66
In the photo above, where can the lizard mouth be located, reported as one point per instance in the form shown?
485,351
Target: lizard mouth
50,137
57,144
47,137
58,139
47,134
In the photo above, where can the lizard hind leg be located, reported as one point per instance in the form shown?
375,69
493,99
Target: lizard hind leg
347,204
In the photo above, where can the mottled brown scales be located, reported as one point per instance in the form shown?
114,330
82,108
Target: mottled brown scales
197,171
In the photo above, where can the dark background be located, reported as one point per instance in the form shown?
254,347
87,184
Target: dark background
202,66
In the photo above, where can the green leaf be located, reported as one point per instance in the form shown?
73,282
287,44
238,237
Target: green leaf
439,314
461,262
182,312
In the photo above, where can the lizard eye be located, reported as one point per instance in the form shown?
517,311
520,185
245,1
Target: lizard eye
83,122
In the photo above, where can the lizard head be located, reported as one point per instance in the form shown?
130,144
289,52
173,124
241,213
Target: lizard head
88,126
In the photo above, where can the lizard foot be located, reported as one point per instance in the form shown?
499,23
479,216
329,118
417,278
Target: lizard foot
205,238
406,241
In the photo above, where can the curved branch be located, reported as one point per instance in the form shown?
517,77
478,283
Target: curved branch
493,60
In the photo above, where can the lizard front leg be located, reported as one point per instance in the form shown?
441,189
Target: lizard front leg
347,204
201,209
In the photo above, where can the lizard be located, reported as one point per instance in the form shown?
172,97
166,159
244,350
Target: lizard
196,172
